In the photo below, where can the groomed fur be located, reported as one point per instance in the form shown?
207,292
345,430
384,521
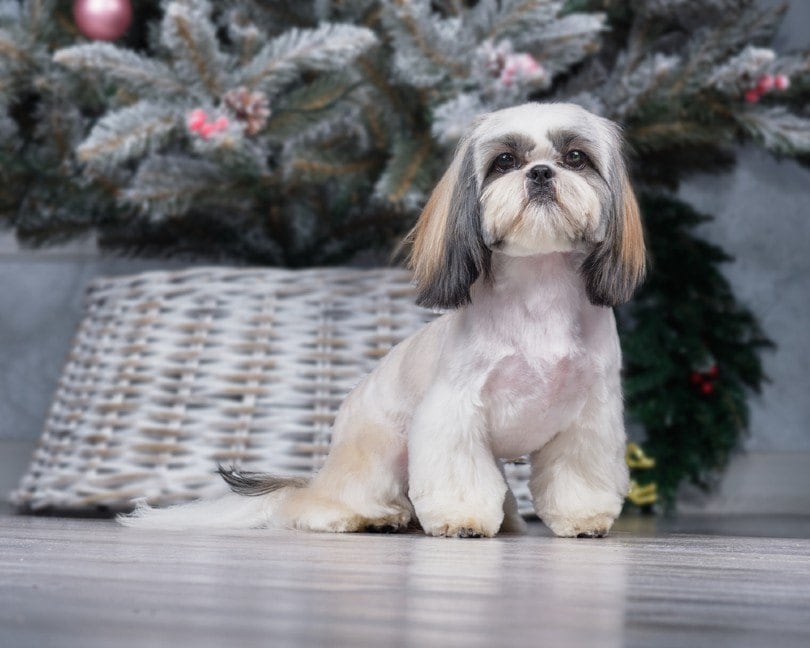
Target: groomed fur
532,231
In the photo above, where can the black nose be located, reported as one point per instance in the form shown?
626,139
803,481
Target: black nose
541,174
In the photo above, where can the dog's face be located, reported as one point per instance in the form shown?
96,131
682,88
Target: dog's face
530,180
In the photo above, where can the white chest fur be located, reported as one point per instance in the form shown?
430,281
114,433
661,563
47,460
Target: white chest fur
546,348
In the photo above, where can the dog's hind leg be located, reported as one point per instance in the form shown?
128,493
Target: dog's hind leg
361,486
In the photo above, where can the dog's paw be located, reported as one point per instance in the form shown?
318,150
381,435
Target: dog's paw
390,523
449,520
593,526
466,528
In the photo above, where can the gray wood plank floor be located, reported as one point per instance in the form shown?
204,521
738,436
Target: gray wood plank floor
73,582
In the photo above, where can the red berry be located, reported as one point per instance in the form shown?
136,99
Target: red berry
196,118
207,129
713,371
765,83
696,378
707,389
781,82
752,95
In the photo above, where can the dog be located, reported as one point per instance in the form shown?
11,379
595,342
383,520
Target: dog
530,237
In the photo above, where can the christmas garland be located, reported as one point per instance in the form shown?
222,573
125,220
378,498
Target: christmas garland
691,353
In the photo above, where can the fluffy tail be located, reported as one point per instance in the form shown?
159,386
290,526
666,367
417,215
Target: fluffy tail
254,502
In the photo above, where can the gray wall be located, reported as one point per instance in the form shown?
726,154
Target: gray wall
762,213
763,218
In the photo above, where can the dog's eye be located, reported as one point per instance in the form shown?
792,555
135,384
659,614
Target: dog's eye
504,162
575,159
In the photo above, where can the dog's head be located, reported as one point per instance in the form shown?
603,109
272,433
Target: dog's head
529,180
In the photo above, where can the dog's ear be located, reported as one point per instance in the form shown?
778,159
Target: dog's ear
448,251
617,265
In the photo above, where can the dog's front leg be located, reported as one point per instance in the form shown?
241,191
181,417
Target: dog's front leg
579,479
455,483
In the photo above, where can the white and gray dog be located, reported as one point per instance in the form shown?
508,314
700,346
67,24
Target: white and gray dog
531,236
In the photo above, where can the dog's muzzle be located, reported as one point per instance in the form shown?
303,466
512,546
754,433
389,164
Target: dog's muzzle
540,183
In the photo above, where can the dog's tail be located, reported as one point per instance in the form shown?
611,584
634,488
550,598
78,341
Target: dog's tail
253,483
265,495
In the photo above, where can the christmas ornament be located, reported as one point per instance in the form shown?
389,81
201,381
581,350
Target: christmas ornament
502,63
521,66
781,82
198,122
251,108
752,95
636,458
767,83
102,19
703,379
640,494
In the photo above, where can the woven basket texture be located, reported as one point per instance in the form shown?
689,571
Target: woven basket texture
173,373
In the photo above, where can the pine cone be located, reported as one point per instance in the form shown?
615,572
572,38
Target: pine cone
251,108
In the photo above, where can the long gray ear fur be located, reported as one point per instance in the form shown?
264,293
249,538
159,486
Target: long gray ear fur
449,252
616,266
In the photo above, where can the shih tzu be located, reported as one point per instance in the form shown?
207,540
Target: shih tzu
531,236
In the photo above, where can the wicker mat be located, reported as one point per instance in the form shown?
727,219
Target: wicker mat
173,373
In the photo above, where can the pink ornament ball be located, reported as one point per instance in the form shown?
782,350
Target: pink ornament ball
104,20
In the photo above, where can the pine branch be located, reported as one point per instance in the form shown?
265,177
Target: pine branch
452,118
188,33
326,48
167,186
309,105
741,71
8,129
13,53
312,168
779,130
399,183
565,42
710,47
641,83
377,76
139,74
558,40
127,133
656,136
246,37
427,49
517,16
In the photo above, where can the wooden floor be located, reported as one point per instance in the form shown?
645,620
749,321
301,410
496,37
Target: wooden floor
74,582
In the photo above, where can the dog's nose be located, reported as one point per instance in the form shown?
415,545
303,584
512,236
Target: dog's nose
540,174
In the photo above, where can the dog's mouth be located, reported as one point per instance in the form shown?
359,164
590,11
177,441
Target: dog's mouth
541,194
